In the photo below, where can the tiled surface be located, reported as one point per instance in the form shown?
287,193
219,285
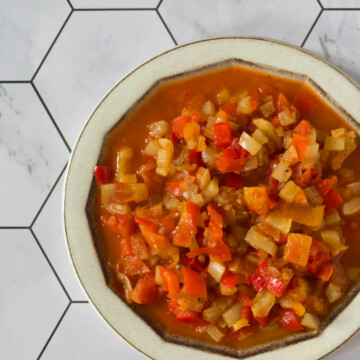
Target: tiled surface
74,52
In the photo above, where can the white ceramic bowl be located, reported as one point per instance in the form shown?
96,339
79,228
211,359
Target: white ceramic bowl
272,56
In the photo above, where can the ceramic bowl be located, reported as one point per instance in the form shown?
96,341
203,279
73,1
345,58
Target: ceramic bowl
275,57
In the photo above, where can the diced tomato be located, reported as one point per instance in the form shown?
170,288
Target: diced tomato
219,253
103,174
315,264
266,90
332,201
300,143
282,102
173,187
288,320
222,134
263,320
230,153
138,247
303,128
255,99
215,226
229,165
195,157
324,187
194,263
257,281
229,280
132,265
123,224
145,291
325,272
305,102
234,180
189,317
246,313
194,283
178,125
315,249
229,107
171,281
276,121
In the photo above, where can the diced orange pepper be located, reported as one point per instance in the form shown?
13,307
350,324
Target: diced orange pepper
219,253
194,283
303,128
255,99
171,281
300,144
297,249
256,199
305,215
145,291
132,265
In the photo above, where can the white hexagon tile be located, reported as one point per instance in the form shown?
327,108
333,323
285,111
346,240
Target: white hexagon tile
32,152
26,33
95,51
190,20
31,301
58,59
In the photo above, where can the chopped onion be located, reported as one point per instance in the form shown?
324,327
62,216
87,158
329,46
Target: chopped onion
278,222
223,304
152,148
240,324
244,106
312,150
352,273
290,156
260,137
354,187
208,108
312,136
269,130
313,196
232,315
351,207
223,96
259,241
263,303
116,208
216,270
122,161
139,192
268,108
212,314
288,302
127,285
211,190
333,292
159,129
249,143
287,117
164,158
203,178
336,133
107,192
289,191
227,292
334,144
208,157
282,172
215,333
127,178
310,321
333,219
280,131
171,203
251,164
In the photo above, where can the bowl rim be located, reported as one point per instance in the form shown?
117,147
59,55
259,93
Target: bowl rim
109,93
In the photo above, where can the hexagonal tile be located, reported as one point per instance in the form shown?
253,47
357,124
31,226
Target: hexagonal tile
82,335
32,300
334,37
31,151
349,351
27,30
49,232
117,4
79,72
340,3
190,20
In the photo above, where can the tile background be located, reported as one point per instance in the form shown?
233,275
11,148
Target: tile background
57,59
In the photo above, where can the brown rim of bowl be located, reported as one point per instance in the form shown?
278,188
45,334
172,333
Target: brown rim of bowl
350,296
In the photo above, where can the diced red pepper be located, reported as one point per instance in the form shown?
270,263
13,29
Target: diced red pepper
219,253
178,125
325,272
229,280
332,201
190,317
145,291
288,320
303,128
229,107
255,99
263,320
171,281
315,249
246,313
103,174
222,134
276,121
174,306
195,157
194,283
234,180
230,153
305,102
300,144
132,266
315,264
324,186
122,224
282,102
245,300
173,187
230,165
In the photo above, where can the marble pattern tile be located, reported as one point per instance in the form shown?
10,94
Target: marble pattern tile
334,38
31,151
114,4
190,20
84,335
49,232
31,300
79,72
26,33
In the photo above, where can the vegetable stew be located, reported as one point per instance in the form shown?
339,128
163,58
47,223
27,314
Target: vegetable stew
228,204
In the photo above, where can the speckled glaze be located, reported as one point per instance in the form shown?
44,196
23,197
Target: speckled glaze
257,53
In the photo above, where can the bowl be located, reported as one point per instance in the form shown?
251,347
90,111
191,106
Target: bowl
275,57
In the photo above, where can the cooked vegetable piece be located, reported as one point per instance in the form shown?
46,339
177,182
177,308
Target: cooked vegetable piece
297,249
194,283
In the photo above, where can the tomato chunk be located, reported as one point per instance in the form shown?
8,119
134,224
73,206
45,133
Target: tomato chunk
103,174
222,134
288,320
194,283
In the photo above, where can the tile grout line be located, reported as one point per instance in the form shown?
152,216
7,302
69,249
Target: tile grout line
342,9
166,27
312,27
15,81
320,4
14,227
51,117
48,196
79,302
52,44
70,4
159,4
50,264
53,332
